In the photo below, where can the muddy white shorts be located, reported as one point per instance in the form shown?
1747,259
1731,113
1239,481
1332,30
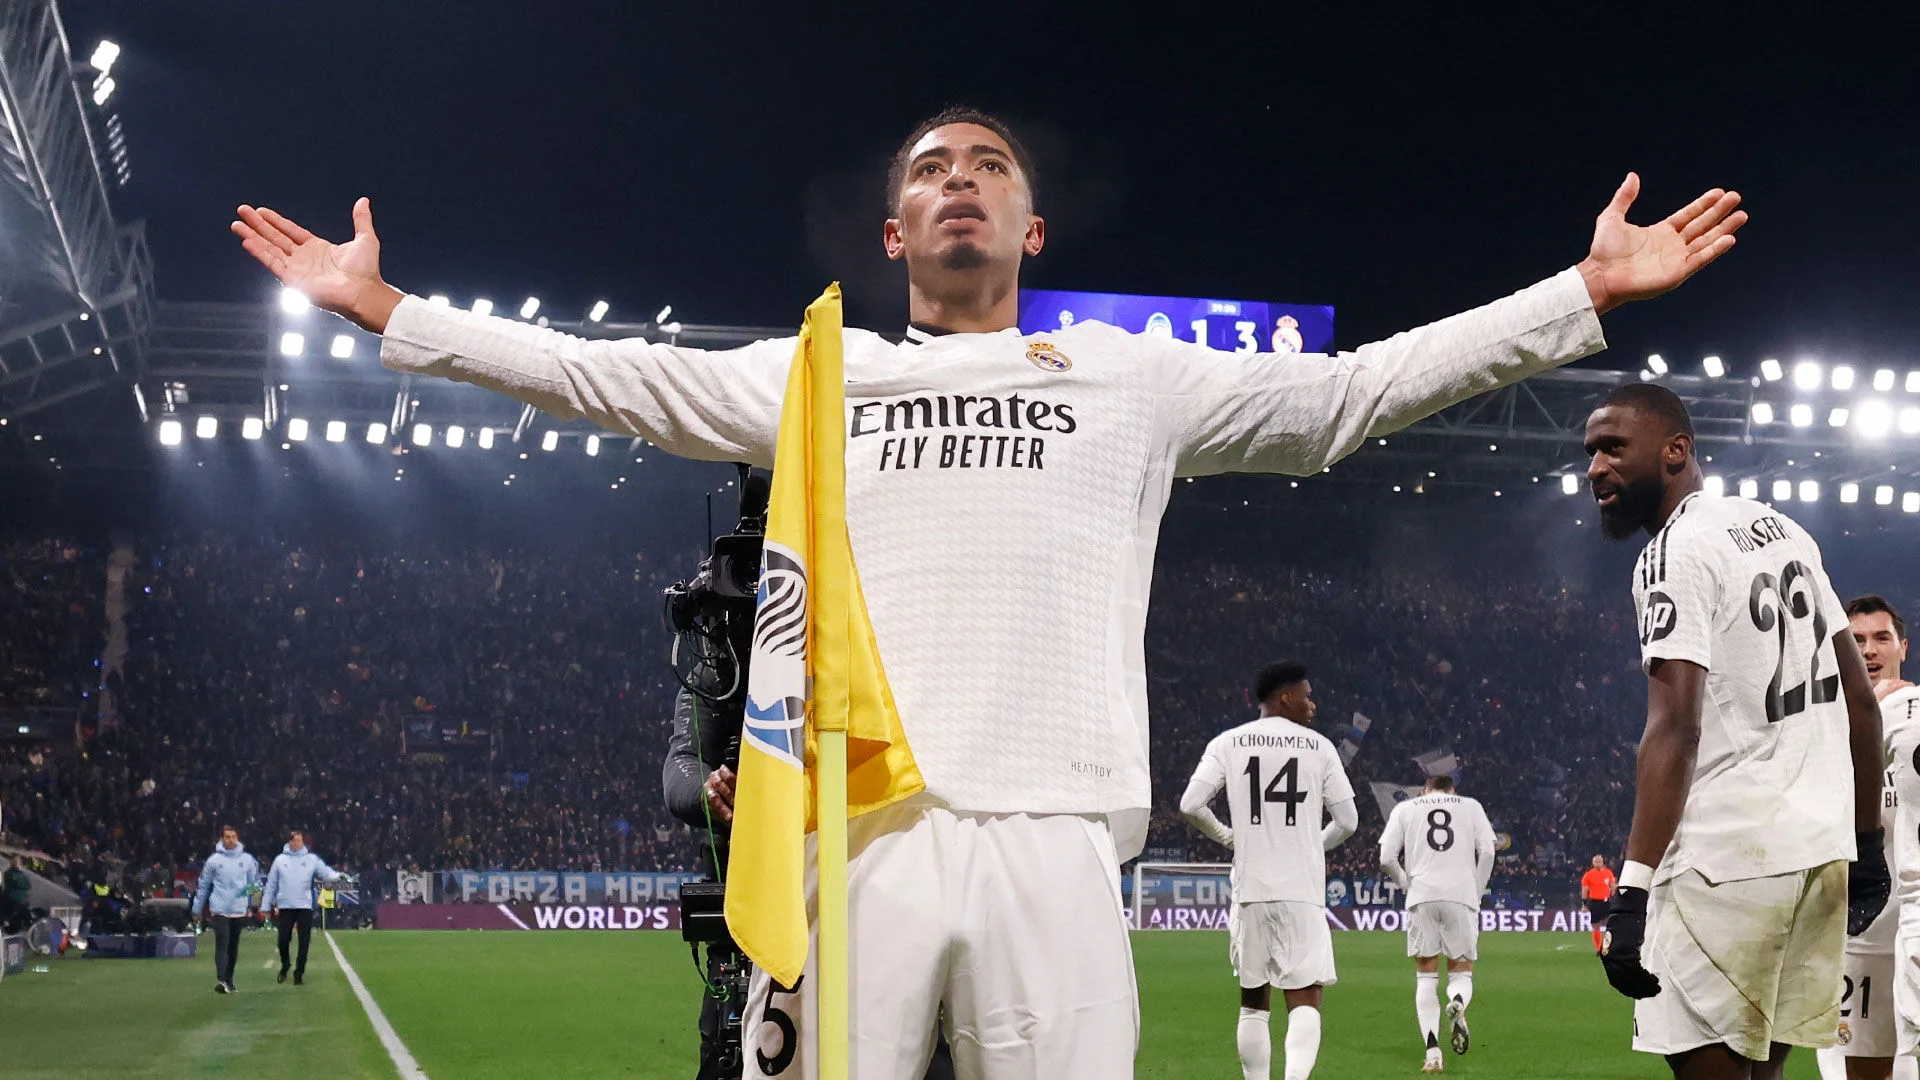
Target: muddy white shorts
1745,963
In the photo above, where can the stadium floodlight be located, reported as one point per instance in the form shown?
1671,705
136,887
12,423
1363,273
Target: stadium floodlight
104,54
292,344
206,427
1913,382
1837,416
486,438
1647,376
169,433
599,311
1910,502
1849,493
1714,367
670,328
1801,415
482,307
1806,375
1883,380
593,446
336,431
439,300
1873,419
423,434
342,348
1657,364
530,307
1909,421
549,441
1716,486
297,429
1809,491
1770,370
1883,495
252,427
1569,484
103,89
664,312
294,302
1762,413
456,435
1843,377
1749,488
376,433
1782,490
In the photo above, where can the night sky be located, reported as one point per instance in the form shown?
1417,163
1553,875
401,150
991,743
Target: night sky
727,158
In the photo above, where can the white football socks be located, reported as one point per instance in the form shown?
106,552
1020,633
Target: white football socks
1256,1044
1460,985
1303,1041
1426,1006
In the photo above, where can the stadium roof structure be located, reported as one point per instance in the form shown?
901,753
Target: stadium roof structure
75,284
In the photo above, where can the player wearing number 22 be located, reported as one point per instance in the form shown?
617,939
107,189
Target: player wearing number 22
1439,848
1760,770
1283,780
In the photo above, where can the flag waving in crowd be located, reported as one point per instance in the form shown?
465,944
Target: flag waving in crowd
812,639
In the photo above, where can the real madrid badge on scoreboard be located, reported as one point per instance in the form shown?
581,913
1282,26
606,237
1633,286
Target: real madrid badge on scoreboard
1242,326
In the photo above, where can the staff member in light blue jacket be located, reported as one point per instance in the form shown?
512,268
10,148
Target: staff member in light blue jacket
289,898
228,883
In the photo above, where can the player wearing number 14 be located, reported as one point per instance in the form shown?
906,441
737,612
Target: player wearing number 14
1760,771
1283,780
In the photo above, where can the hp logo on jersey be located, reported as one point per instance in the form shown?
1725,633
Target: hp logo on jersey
1657,618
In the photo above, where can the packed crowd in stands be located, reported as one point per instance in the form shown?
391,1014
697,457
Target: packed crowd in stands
449,706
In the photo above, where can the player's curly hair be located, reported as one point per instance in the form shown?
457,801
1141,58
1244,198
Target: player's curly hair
1277,677
958,114
1871,604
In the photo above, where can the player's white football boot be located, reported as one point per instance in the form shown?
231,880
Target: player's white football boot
1458,1014
1434,1061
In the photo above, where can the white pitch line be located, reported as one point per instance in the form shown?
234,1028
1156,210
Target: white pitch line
403,1062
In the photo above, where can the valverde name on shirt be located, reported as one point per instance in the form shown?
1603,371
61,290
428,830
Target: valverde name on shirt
956,450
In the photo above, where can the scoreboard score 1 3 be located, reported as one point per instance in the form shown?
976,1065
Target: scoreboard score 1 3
1241,326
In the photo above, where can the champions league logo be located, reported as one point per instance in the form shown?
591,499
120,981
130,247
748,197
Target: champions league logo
776,710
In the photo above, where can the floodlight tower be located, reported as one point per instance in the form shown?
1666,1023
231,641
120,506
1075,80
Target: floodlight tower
75,285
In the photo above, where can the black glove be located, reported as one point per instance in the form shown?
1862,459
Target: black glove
1868,881
1620,953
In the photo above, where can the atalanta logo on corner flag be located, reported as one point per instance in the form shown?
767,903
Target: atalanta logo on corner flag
776,711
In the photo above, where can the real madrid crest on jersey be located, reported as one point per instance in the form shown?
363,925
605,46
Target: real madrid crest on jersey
1048,358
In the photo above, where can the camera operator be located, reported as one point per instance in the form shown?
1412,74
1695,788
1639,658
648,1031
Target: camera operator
696,779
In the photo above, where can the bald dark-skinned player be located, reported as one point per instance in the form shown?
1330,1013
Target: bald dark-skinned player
1759,772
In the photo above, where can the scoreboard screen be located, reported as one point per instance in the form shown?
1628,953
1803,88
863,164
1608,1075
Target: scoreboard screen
1242,326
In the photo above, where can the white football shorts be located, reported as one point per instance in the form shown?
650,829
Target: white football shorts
1744,963
1012,921
1443,928
1906,988
1283,943
1867,1028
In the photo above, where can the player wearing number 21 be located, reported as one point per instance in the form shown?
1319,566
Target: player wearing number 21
1438,848
1284,782
1760,770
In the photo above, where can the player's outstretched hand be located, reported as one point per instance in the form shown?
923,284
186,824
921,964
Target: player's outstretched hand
341,278
1636,262
1626,929
1868,882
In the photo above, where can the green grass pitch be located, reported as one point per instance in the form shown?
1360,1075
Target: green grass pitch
480,1006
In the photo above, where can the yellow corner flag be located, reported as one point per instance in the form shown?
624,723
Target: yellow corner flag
820,721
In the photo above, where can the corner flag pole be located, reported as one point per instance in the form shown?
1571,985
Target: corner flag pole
832,765
831,652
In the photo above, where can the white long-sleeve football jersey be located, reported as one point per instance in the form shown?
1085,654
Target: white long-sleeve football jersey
1445,843
1900,730
1004,493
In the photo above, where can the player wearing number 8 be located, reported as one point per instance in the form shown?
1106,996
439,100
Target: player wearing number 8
1439,849
1759,773
1283,782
